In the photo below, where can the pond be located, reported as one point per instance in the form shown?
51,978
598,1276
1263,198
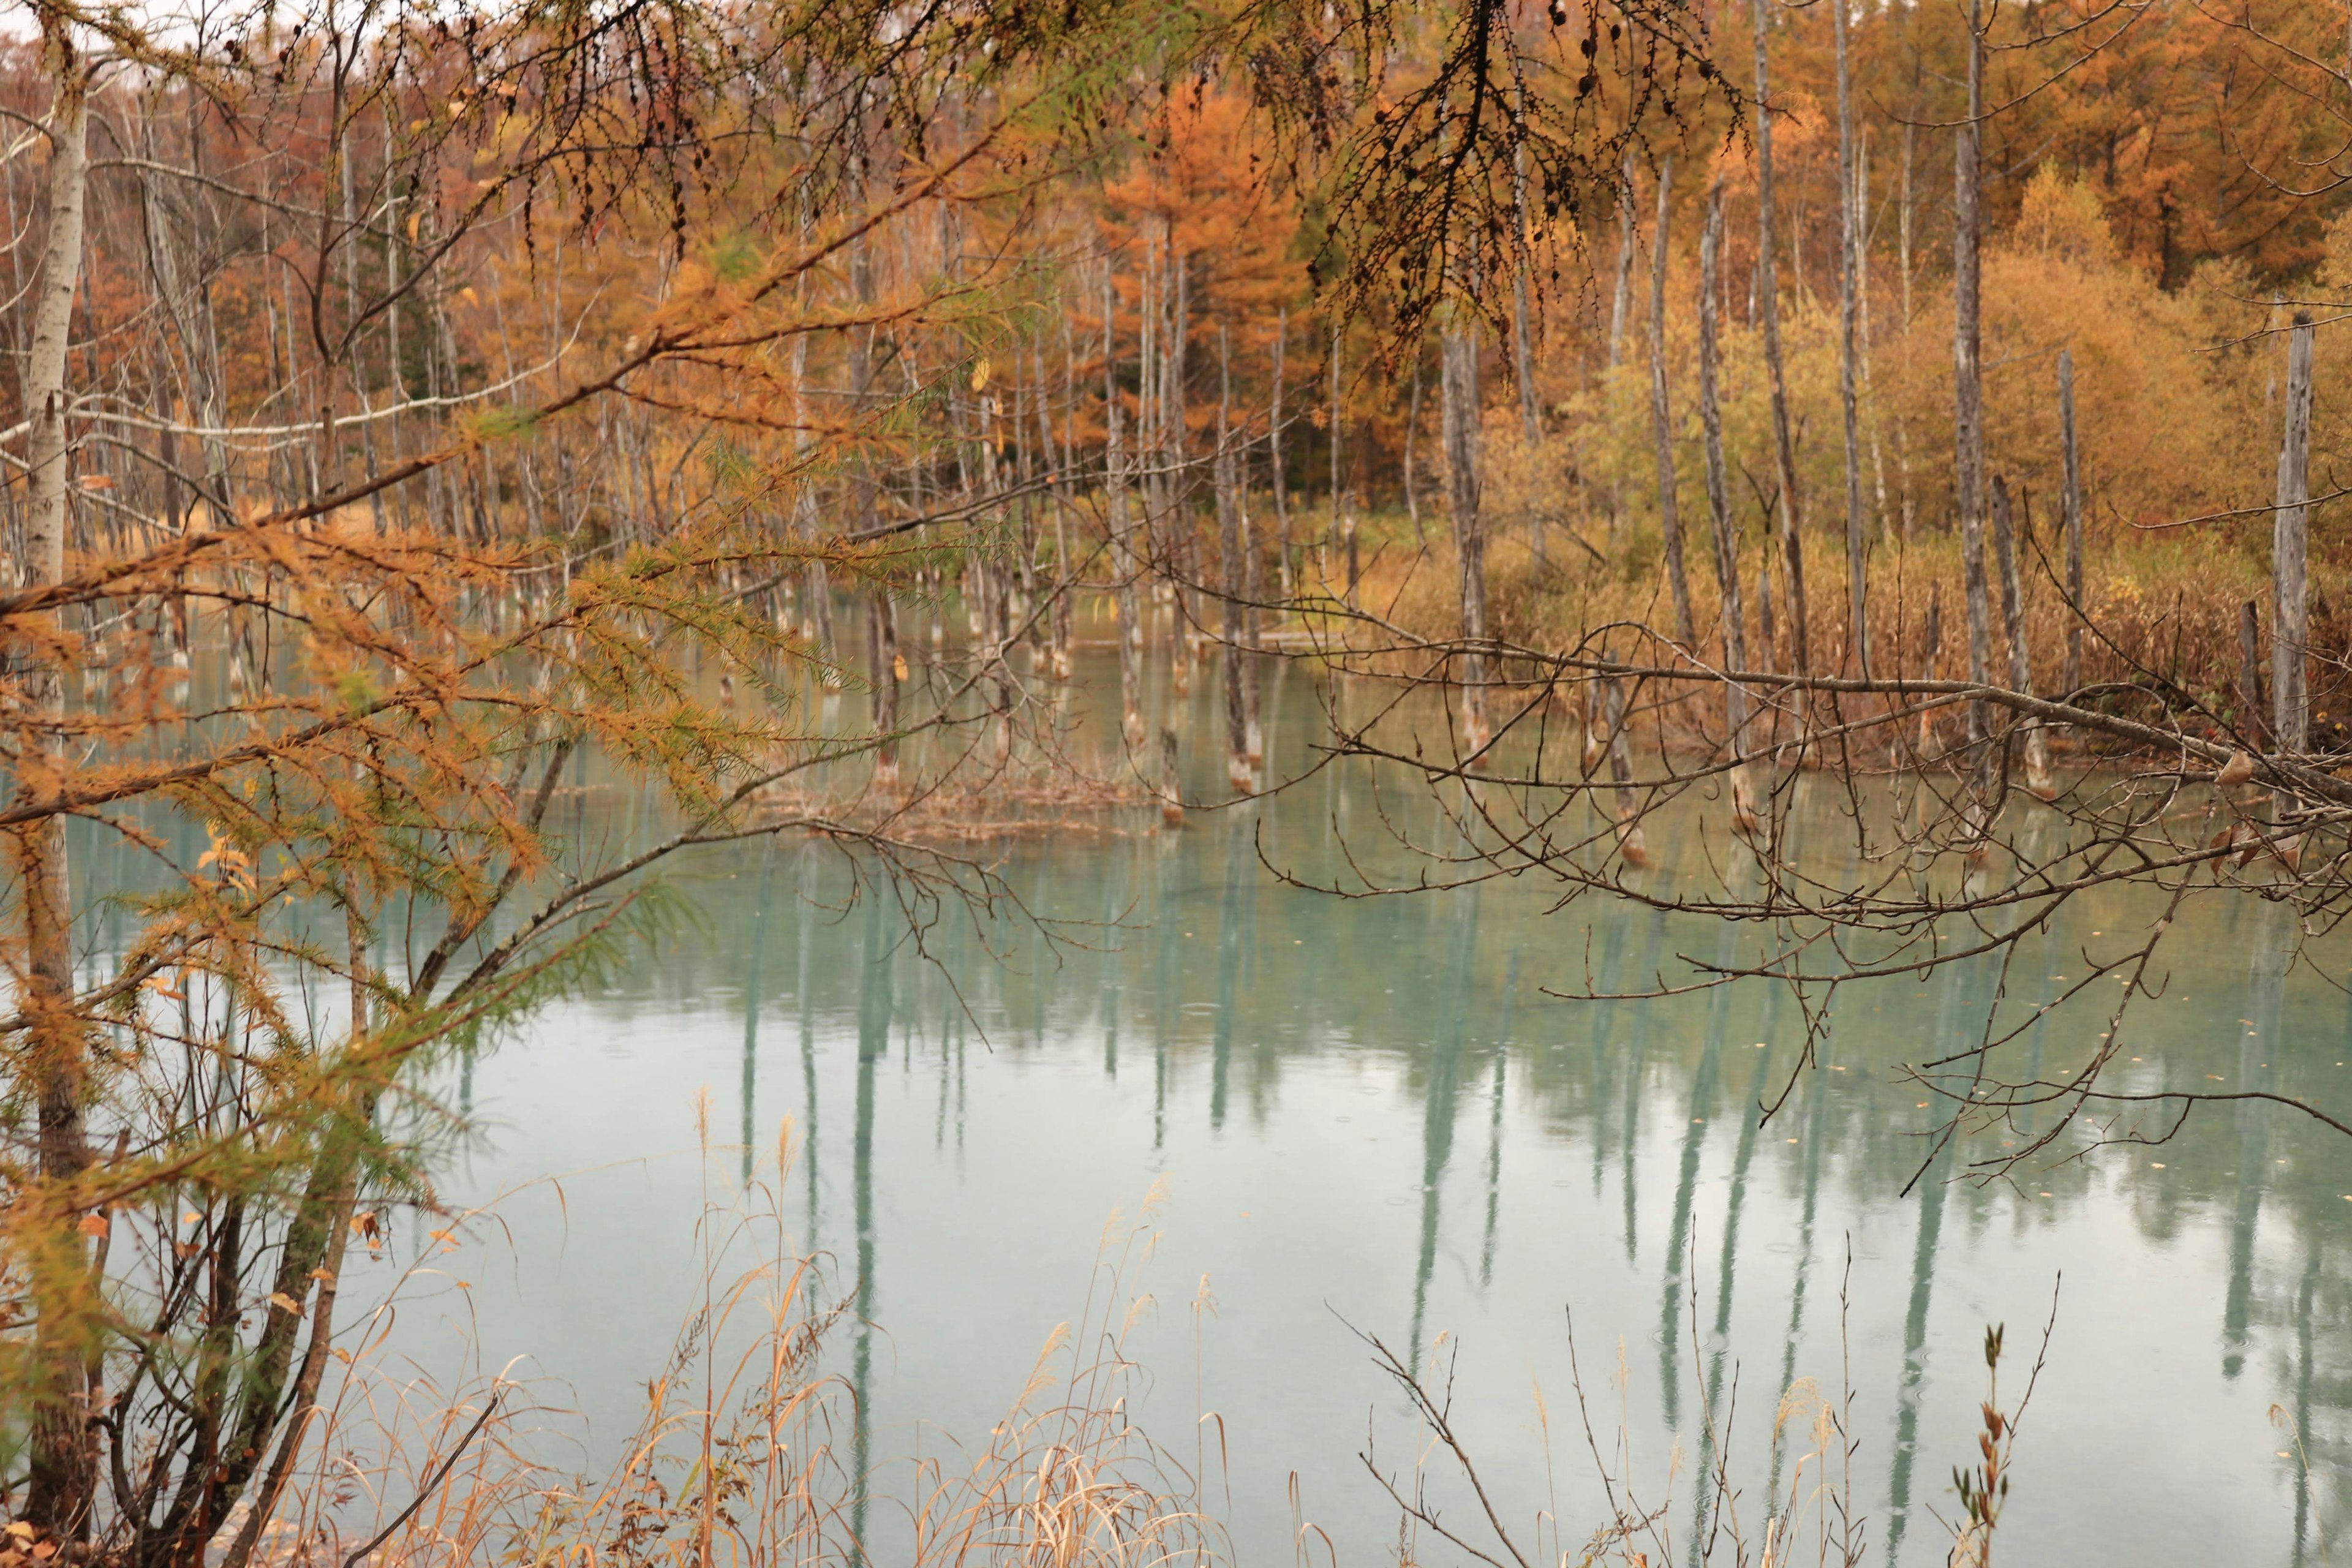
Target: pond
1385,1117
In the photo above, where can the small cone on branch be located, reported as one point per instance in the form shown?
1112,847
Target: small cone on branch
2235,772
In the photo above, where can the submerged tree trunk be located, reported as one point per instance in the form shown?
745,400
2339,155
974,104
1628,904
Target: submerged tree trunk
1459,350
1124,568
2012,612
1718,501
1229,579
1849,301
2072,499
1968,387
1662,416
63,1479
2290,622
1768,291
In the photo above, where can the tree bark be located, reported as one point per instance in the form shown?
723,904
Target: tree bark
1718,500
1122,539
62,1479
2013,611
1621,305
1767,290
1459,361
1522,334
1968,388
2290,623
1662,417
1229,578
2072,500
1849,303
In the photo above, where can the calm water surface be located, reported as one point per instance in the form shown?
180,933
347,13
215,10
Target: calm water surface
1377,1115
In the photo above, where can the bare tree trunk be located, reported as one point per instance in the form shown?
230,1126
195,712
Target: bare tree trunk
1629,844
1122,539
2290,611
2013,611
1459,363
1274,456
63,1477
1968,388
1522,335
1175,445
1229,578
2253,724
1718,500
1768,292
1412,435
1057,462
1849,303
2072,499
1662,417
1171,781
1903,261
1621,305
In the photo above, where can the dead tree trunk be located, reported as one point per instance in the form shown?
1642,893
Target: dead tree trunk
1968,386
2013,611
1849,301
2290,622
2072,499
63,1474
1129,602
1459,363
1768,291
1229,577
2253,724
1621,304
1718,501
1522,335
1662,416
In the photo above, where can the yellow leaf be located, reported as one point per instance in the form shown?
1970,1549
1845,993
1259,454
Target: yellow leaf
326,1276
190,1217
900,666
93,1225
439,1235
285,1303
979,372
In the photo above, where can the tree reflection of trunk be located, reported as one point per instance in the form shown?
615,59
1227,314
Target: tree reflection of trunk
873,1044
804,883
759,944
1495,1119
2274,951
1965,999
1604,1047
2304,1296
1630,1139
1443,1097
1165,979
1114,912
1816,1115
1679,1234
1750,1114
1231,918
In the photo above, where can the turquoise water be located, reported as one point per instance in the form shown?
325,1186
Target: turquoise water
1386,1116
